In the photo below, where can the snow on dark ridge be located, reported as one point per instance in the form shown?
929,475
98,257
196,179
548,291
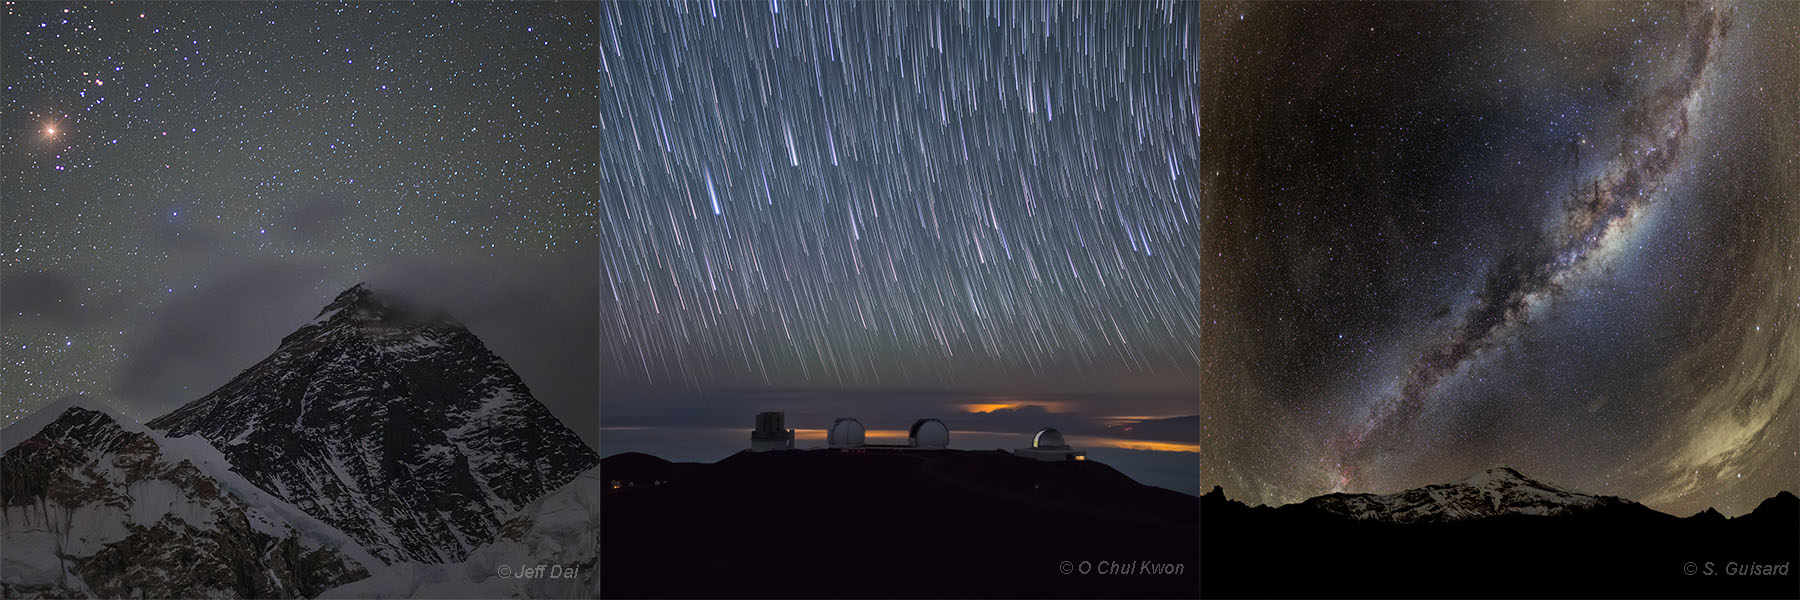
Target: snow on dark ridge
393,423
29,426
374,313
95,505
1489,493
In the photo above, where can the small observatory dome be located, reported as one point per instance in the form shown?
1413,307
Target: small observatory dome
929,433
845,433
1048,438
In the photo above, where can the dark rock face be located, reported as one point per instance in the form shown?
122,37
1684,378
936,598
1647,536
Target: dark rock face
394,424
119,517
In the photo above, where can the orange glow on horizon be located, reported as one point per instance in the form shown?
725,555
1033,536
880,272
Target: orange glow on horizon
869,435
988,408
1125,444
1129,419
998,403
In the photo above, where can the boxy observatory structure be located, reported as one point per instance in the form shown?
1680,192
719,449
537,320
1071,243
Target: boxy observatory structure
770,433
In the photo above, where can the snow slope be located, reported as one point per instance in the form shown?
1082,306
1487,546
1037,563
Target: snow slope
99,505
1492,492
561,529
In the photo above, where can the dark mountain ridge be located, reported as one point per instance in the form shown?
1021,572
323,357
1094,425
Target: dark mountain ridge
917,523
1495,534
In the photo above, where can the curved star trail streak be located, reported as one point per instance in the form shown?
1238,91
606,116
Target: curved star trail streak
898,194
1595,217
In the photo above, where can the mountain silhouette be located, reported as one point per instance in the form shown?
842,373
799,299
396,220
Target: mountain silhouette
1497,533
924,523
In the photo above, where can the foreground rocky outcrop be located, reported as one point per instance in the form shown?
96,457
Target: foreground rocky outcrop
98,506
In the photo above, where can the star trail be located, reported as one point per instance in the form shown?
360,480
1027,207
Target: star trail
1381,247
989,195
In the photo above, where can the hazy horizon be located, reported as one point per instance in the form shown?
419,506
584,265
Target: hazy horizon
706,427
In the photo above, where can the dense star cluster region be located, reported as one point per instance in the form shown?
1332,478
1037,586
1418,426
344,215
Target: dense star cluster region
900,194
156,151
1558,238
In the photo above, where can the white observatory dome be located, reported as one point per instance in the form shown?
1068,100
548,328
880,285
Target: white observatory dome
1048,439
929,433
845,433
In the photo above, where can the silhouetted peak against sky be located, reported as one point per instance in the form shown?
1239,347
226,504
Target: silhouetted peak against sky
363,303
359,295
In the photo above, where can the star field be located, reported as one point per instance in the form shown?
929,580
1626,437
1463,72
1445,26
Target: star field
1559,238
911,194
1384,245
154,147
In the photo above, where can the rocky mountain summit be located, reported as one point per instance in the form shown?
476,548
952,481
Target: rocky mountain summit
393,423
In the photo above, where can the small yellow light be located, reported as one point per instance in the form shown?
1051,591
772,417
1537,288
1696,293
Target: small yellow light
1080,458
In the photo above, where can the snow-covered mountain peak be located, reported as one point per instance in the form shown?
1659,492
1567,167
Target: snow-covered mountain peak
1492,492
363,308
391,422
1495,477
361,292
29,426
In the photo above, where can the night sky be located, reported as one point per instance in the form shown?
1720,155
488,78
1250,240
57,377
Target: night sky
1381,246
899,195
184,183
1438,237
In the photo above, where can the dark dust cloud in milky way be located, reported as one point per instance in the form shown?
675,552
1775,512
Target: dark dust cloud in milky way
1556,237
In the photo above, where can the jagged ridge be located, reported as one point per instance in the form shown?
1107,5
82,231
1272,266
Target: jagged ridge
98,506
393,423
1492,492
